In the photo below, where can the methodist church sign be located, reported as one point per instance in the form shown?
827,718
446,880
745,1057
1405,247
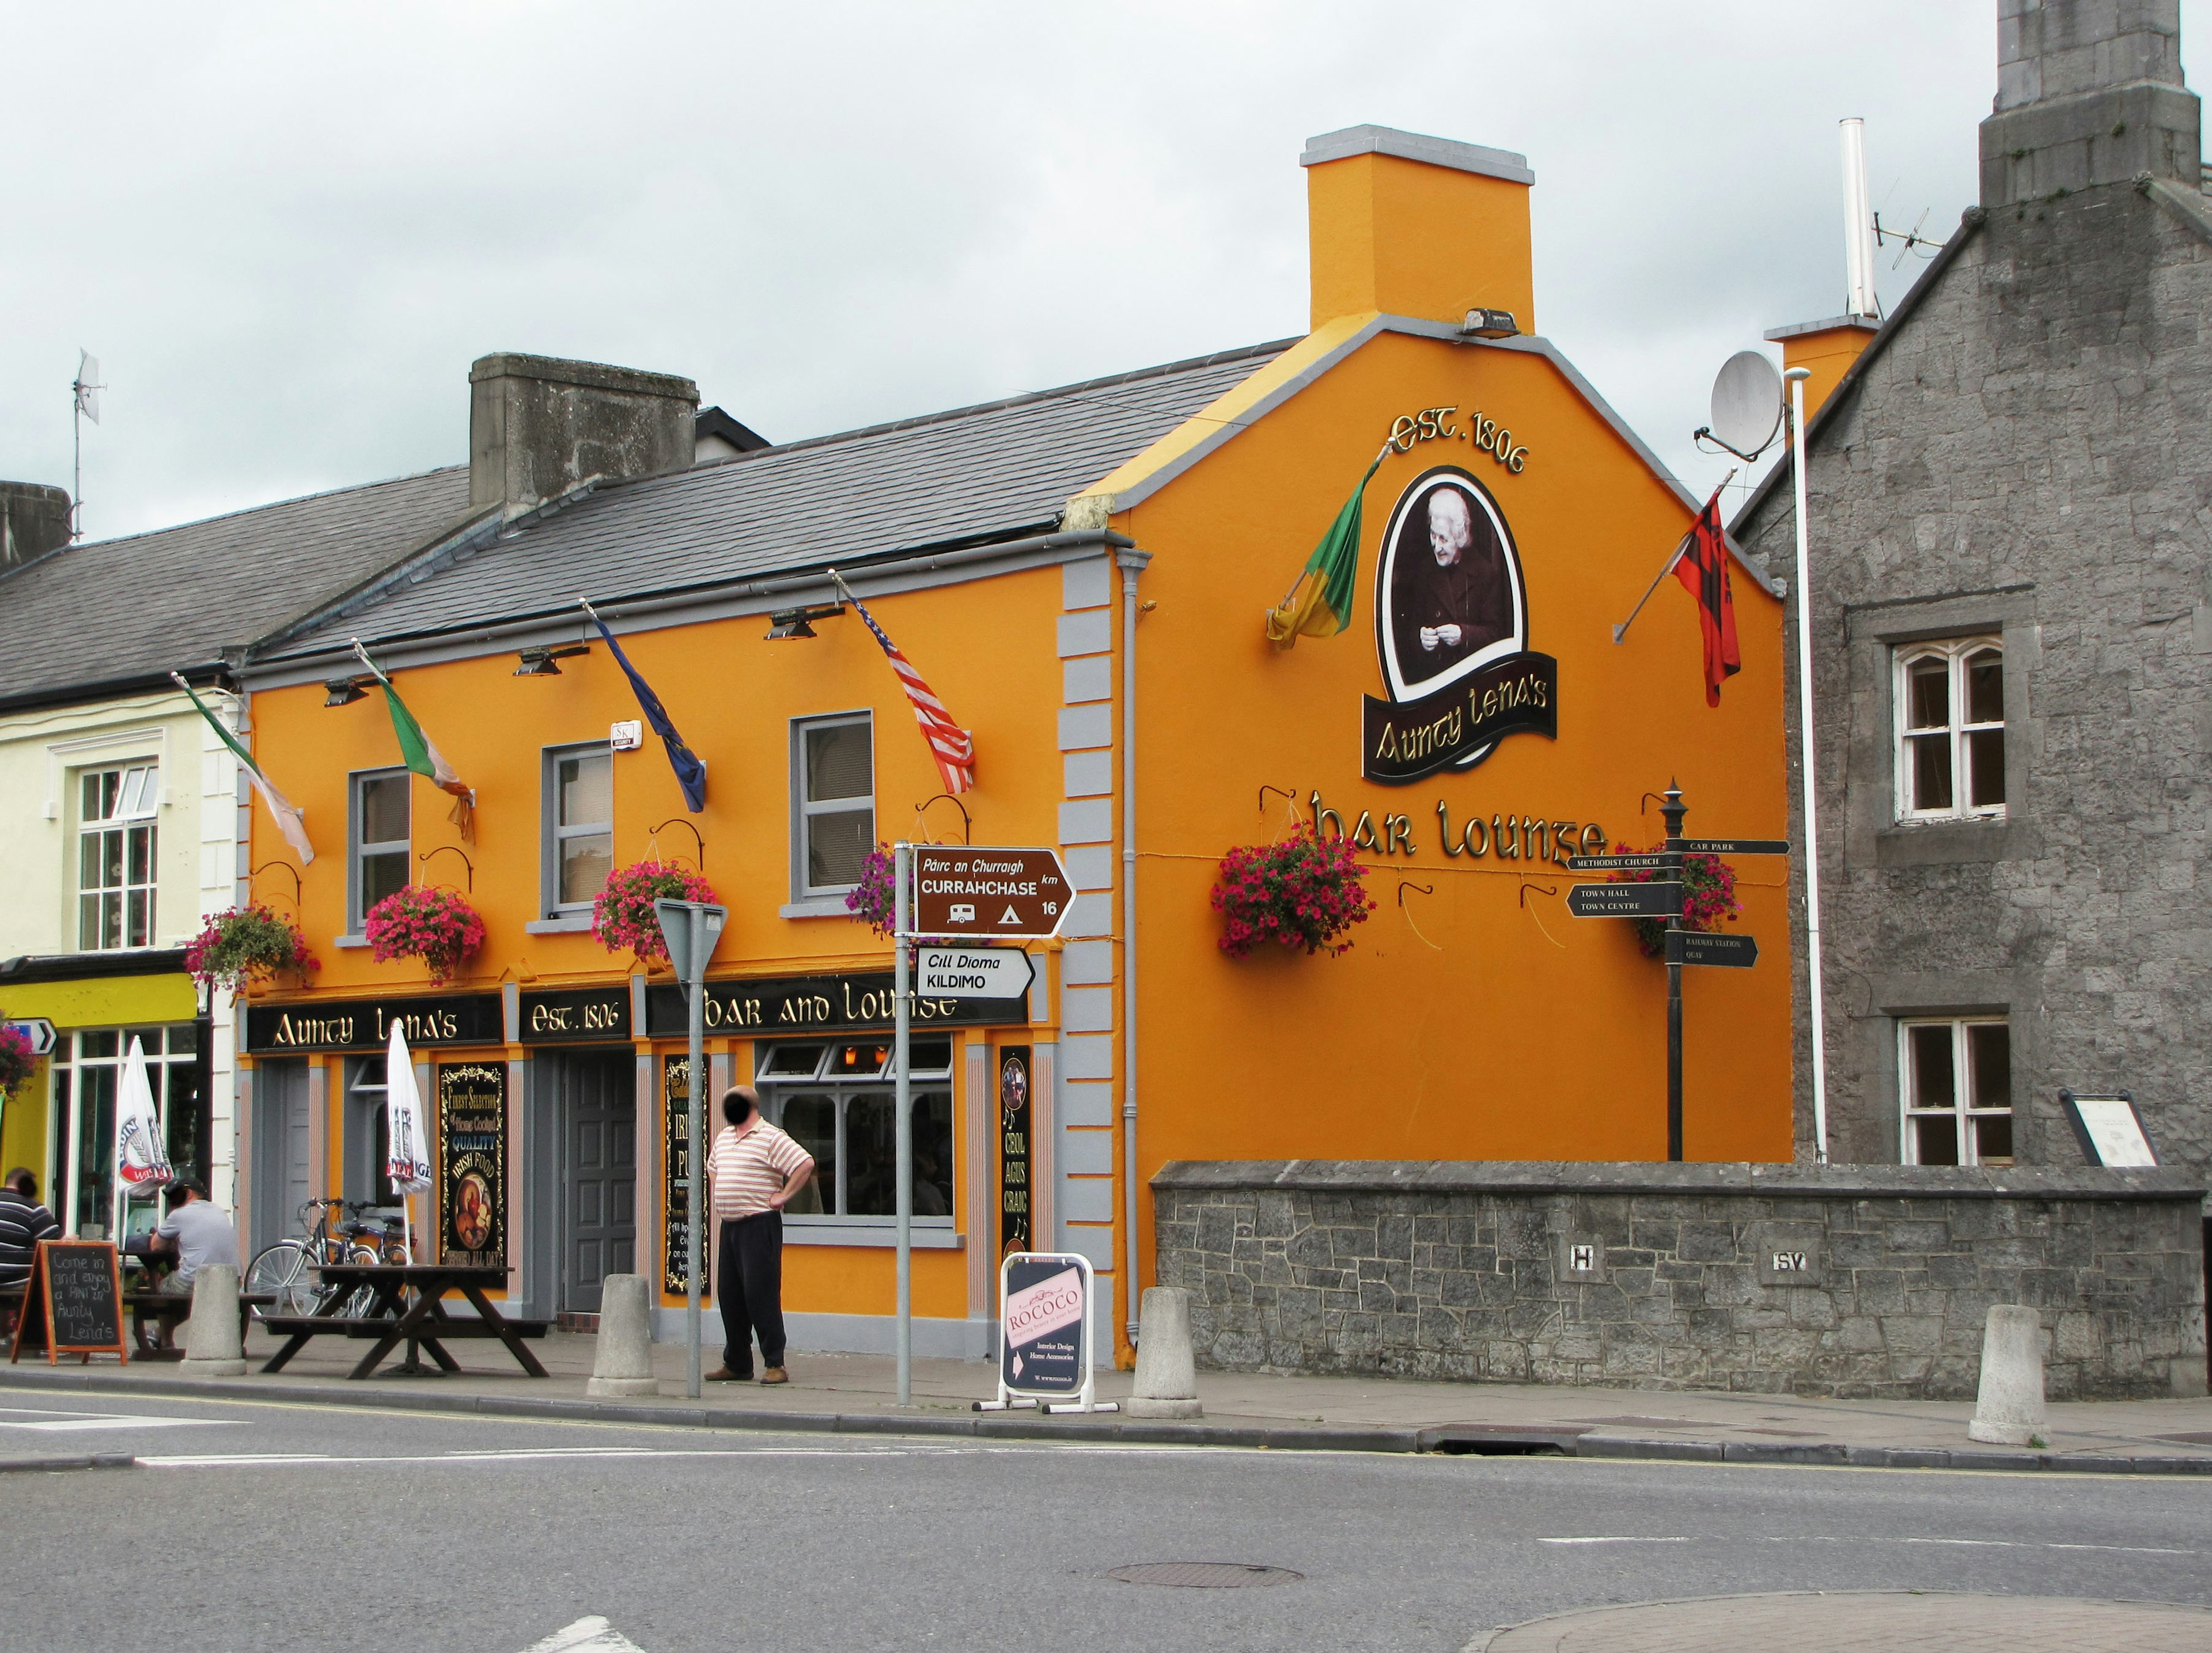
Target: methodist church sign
1451,625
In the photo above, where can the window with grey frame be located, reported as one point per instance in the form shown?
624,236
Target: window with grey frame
1950,730
578,813
378,840
836,1100
833,803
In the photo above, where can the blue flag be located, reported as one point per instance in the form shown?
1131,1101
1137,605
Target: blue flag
691,773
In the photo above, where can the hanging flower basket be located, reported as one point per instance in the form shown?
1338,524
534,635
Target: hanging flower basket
873,901
16,1061
426,922
244,944
621,918
1302,891
1708,896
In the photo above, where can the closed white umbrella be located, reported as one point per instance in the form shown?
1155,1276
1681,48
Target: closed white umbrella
141,1158
407,1164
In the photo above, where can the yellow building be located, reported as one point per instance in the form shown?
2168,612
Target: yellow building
1081,575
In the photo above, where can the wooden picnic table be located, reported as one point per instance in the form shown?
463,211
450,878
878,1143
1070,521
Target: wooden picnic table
407,1307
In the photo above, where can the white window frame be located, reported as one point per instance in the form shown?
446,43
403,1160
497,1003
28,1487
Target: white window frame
137,807
777,1090
356,850
1962,1109
64,1147
555,832
1954,652
804,809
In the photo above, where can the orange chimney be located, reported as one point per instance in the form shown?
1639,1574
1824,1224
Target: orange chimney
1825,348
1415,226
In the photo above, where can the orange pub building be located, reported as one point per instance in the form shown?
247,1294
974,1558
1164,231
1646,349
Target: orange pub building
1082,577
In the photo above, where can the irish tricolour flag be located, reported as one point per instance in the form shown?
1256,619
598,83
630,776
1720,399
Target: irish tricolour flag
290,820
421,754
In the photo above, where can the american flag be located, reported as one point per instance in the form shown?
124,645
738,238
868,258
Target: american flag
952,746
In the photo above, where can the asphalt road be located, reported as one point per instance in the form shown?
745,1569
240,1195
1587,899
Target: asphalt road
258,1526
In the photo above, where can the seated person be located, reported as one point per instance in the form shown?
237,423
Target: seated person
23,1223
198,1232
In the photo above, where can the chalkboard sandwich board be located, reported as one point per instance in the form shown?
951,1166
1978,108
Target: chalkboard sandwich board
72,1303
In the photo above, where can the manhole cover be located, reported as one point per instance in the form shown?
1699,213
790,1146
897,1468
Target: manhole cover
1203,1575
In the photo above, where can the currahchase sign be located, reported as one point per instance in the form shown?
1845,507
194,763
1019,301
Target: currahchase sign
1451,632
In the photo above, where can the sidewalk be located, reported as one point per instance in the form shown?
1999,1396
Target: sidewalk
855,1393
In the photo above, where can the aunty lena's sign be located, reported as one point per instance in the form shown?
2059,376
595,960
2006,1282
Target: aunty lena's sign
1451,627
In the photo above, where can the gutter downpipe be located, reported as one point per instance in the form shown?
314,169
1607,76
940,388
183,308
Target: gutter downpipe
1797,376
1132,563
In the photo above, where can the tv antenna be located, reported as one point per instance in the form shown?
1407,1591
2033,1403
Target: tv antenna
1913,239
1747,406
85,404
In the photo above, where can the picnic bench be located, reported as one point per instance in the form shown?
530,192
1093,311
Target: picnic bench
407,1306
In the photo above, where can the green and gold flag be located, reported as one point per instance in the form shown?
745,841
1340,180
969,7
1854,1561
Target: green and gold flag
1320,604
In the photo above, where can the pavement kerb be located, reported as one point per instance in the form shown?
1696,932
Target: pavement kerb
68,1460
1451,1440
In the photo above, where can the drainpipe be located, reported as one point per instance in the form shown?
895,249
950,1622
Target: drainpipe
1131,563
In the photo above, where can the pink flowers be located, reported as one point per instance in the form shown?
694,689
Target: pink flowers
421,921
1303,891
16,1061
240,943
1708,896
873,899
623,918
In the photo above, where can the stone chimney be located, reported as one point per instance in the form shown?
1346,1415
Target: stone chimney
1415,226
538,426
35,519
2089,92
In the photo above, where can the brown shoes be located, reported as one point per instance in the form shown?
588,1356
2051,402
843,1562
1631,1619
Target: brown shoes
774,1374
724,1375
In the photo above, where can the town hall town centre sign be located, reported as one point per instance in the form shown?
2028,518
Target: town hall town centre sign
1451,626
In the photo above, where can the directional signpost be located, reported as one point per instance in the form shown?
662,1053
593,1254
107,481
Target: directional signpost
958,892
1662,897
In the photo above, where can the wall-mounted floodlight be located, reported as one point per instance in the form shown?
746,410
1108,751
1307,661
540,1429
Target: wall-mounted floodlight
794,622
538,662
1490,324
345,691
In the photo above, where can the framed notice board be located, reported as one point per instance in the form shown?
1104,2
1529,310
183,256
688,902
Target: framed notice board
675,1172
72,1303
1014,1189
472,1163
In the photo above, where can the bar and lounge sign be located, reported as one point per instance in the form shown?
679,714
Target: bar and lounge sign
461,1018
810,1004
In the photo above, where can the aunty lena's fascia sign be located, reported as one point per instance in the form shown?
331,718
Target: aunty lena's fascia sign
1451,629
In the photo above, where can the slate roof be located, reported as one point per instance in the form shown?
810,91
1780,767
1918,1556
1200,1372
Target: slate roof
972,476
115,616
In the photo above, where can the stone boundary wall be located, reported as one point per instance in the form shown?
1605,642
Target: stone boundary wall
1857,1280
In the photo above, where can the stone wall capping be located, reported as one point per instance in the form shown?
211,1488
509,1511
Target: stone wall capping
1580,1178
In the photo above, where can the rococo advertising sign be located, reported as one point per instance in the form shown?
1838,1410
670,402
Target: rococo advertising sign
1451,627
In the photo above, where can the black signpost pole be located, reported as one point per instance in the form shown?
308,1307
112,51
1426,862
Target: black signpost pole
1672,811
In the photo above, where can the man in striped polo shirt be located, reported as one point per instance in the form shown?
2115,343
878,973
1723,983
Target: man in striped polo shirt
753,1171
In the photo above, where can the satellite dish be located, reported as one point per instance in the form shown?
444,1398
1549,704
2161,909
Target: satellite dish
1746,404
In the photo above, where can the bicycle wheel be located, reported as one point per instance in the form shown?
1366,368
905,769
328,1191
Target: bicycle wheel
281,1271
358,1305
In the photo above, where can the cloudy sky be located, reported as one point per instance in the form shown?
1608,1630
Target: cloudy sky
287,230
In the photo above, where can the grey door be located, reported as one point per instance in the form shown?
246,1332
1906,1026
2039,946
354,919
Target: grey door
598,1174
281,1184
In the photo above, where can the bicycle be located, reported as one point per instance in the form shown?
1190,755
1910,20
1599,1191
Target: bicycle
291,1271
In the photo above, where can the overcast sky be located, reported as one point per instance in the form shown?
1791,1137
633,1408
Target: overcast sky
286,230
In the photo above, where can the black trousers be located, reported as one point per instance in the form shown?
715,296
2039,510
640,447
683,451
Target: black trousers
749,1289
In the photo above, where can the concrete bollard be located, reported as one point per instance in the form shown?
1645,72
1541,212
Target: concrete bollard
623,1363
1167,1376
214,1347
2009,1410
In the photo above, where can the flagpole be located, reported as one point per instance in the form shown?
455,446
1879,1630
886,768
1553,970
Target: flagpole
1621,630
1797,376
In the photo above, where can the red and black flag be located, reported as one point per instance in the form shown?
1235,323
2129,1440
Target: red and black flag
1702,567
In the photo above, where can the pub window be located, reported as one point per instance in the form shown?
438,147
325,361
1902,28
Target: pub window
368,1155
833,804
378,838
115,865
579,831
836,1100
1956,1081
87,1069
1950,731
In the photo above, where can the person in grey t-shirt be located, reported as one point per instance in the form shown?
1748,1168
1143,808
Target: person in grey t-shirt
198,1232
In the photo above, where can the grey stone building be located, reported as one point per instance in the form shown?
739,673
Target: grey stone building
2011,609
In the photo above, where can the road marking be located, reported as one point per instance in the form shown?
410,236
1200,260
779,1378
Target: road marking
592,1635
541,1455
47,1420
1831,1538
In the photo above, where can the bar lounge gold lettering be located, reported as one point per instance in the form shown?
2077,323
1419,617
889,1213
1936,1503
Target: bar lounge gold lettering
1507,836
